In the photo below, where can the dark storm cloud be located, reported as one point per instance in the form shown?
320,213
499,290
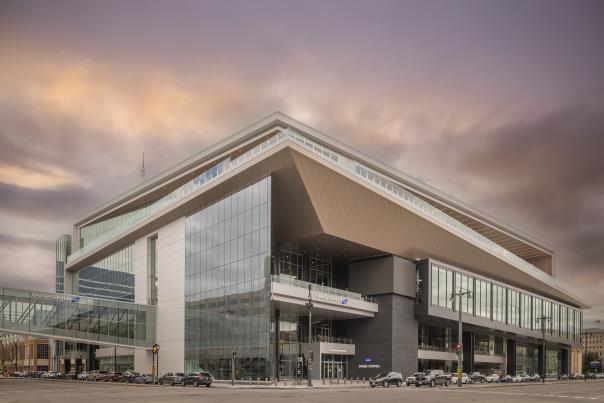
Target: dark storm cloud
551,167
12,241
61,203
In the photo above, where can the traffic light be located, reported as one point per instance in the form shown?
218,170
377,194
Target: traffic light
234,354
155,348
458,348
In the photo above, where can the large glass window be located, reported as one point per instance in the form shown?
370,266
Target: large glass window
513,308
555,330
436,338
464,283
112,277
483,298
499,303
537,305
442,287
226,298
526,311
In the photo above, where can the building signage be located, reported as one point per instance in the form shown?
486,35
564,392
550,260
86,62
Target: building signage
75,299
368,360
362,366
54,297
333,298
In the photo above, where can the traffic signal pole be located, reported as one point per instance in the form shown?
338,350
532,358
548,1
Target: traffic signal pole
459,345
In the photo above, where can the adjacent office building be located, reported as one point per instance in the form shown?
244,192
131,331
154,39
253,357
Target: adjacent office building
223,252
593,342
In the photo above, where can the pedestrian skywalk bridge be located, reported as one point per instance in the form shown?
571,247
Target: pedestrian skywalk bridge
77,318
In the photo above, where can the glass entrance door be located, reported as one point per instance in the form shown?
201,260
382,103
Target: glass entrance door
334,366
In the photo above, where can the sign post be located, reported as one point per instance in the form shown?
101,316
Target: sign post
154,367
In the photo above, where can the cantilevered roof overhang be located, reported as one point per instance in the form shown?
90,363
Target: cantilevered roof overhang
512,239
349,207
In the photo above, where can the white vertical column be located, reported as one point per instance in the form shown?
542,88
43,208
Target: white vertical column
170,326
143,359
141,271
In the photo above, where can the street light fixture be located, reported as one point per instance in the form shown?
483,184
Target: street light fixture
459,346
542,319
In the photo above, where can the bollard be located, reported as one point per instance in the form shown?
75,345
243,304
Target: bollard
323,381
331,381
285,382
344,381
338,381
357,380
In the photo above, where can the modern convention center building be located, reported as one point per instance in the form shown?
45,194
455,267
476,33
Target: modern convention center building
223,252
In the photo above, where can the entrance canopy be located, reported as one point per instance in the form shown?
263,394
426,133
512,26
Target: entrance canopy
77,318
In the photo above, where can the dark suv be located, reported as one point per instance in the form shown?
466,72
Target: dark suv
386,379
433,378
198,378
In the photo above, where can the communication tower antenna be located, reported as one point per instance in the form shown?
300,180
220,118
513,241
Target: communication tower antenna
143,169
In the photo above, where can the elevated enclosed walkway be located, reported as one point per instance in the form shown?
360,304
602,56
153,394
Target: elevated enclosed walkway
77,318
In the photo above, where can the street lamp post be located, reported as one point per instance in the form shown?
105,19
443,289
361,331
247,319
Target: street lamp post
459,294
309,305
542,319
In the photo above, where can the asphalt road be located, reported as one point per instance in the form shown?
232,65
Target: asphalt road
31,390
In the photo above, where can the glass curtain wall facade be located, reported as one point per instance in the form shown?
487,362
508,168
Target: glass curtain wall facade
227,274
111,278
504,304
93,231
62,250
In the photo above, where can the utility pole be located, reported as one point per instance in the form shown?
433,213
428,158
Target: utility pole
233,360
459,346
542,319
309,305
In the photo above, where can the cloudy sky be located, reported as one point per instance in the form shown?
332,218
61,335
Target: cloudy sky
500,104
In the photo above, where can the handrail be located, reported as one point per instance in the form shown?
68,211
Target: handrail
320,288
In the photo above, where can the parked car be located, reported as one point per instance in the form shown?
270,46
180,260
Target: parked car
112,377
410,380
198,378
494,377
96,375
171,378
129,376
433,378
143,378
46,375
71,375
506,379
477,377
517,378
599,375
386,379
166,379
563,377
464,378
82,376
536,377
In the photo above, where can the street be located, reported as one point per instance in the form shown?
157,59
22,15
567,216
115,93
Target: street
33,390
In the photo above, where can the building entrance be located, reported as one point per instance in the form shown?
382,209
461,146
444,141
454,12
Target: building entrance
334,366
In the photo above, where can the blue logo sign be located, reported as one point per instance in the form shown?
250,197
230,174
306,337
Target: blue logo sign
368,360
75,299
344,301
